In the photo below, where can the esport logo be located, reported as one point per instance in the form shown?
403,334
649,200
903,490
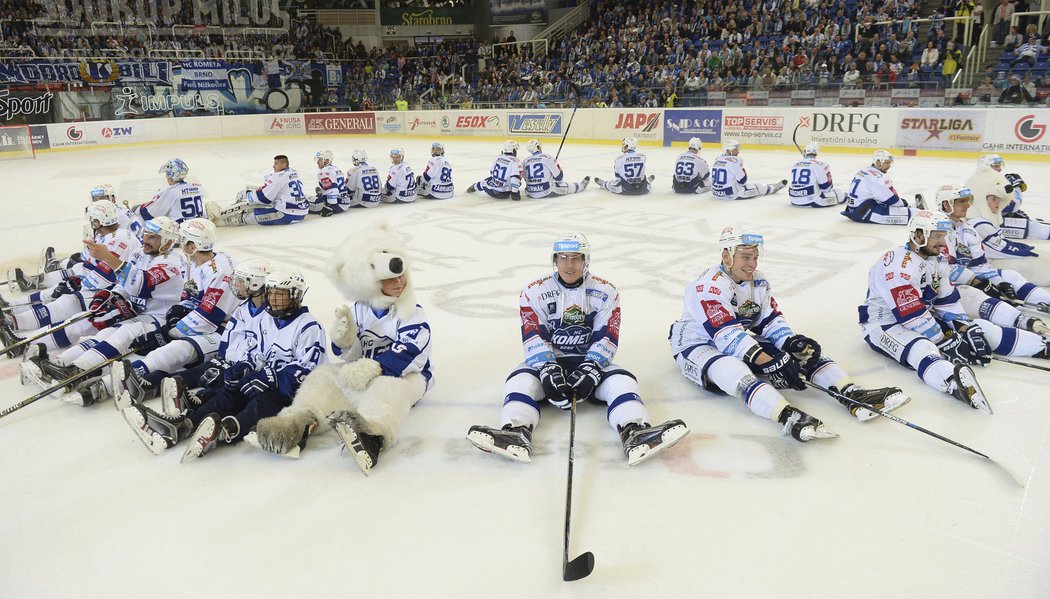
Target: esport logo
1027,130
74,134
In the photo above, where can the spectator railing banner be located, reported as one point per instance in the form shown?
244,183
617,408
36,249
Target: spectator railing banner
426,17
902,131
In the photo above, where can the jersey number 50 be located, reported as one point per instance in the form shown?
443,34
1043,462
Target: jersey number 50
192,207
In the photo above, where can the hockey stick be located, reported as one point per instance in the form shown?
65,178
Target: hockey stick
581,566
66,383
575,105
912,425
1009,361
54,329
793,134
11,307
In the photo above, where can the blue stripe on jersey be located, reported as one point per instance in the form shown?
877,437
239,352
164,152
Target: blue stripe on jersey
626,397
1008,343
711,330
521,398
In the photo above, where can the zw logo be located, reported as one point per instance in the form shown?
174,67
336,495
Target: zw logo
74,134
116,131
1027,131
843,123
642,120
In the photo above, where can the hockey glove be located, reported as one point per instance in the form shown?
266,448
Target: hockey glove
326,211
802,348
109,308
175,314
974,338
552,377
1003,291
70,285
212,376
783,372
585,380
515,195
958,351
1017,182
258,382
233,374
151,341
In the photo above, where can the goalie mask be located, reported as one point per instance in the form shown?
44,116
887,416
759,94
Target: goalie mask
365,260
174,169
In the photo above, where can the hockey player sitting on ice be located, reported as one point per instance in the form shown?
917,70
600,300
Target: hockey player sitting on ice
691,172
570,328
52,270
383,338
436,181
191,331
178,201
1008,188
279,201
972,270
291,343
543,174
811,183
912,314
731,330
504,180
332,196
147,285
362,182
628,172
871,197
73,295
400,186
729,179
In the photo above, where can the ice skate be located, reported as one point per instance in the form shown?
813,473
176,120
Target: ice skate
599,182
775,187
48,262
156,431
583,184
1033,324
23,282
963,386
362,446
175,399
802,426
512,442
643,441
88,392
9,338
128,387
920,202
211,431
885,399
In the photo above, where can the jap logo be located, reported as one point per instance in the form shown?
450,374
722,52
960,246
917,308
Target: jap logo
1027,130
74,134
108,132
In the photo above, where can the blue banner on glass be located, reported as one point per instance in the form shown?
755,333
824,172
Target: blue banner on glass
683,124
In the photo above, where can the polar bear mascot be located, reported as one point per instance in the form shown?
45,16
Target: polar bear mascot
383,339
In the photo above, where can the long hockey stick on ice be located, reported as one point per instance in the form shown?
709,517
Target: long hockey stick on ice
54,329
1019,363
581,566
793,134
575,105
66,383
912,425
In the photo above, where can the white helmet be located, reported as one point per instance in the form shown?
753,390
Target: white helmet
991,160
572,243
103,211
103,191
533,146
730,145
629,144
399,152
510,147
733,237
167,229
291,281
811,149
325,155
359,157
249,277
695,144
437,149
174,169
881,156
927,221
200,231
949,193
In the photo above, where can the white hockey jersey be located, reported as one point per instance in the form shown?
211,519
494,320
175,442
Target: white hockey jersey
810,178
292,347
505,174
401,183
243,334
995,243
728,315
208,291
178,202
541,172
333,185
728,176
905,288
437,178
688,166
400,345
576,323
364,186
872,184
153,284
95,275
967,257
630,167
284,191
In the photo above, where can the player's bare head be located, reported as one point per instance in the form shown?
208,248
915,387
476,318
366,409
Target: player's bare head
394,286
882,160
571,257
741,249
955,201
928,232
280,162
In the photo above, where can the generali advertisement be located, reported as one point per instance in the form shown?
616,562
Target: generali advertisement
358,123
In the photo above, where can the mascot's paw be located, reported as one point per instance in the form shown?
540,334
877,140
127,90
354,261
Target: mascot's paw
282,434
359,373
344,329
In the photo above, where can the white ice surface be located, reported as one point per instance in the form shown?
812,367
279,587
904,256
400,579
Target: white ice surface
734,511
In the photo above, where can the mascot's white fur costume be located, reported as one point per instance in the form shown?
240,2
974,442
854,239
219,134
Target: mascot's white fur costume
384,342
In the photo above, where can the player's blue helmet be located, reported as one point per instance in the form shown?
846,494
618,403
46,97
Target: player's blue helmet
174,169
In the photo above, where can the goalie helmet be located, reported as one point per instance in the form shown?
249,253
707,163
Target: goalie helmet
174,169
695,144
927,221
733,237
359,157
533,146
437,149
103,191
629,144
324,156
288,280
993,161
397,155
165,228
249,278
811,149
730,145
881,156
950,193
103,211
510,147
200,231
571,243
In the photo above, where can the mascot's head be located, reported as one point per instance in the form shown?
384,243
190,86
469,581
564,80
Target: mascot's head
371,261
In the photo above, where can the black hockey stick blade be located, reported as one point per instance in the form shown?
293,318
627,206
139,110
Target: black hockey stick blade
581,567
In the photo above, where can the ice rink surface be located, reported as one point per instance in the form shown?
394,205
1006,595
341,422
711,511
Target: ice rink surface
734,510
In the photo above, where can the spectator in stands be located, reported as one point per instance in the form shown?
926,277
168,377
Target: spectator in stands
1016,93
914,75
1013,40
949,66
1028,53
985,90
1001,19
852,76
930,56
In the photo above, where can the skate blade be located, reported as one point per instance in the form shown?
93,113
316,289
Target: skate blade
350,441
668,439
252,439
978,400
821,432
512,452
892,403
197,448
116,383
154,442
